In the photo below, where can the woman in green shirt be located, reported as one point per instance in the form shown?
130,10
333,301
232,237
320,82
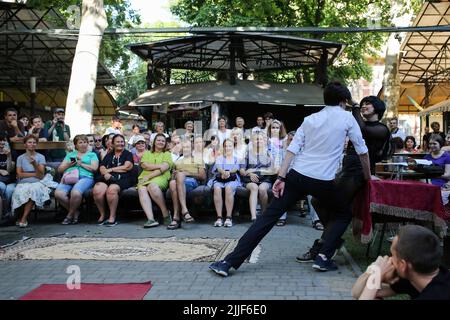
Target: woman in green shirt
154,179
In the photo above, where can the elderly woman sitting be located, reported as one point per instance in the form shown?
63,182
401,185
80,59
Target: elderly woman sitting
154,179
258,173
32,187
186,177
70,193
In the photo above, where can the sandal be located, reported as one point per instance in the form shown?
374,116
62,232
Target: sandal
187,220
67,221
175,224
75,218
281,222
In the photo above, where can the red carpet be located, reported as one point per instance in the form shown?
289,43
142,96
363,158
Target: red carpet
90,291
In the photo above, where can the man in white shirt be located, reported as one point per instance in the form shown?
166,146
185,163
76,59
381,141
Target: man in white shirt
240,123
395,130
260,125
314,152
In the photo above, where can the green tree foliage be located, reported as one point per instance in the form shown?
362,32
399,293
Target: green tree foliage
119,14
305,13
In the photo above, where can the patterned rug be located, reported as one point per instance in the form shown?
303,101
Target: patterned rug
148,249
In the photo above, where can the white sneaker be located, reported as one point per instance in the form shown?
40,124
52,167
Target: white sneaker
228,223
218,223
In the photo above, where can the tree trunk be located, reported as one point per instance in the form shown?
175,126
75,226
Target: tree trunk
80,98
391,81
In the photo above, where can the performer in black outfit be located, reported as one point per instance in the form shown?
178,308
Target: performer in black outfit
351,178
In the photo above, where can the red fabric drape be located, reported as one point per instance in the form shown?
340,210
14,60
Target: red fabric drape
408,199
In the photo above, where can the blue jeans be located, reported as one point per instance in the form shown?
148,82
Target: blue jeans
190,184
6,192
84,184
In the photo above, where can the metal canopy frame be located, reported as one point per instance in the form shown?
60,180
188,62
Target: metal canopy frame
48,57
426,55
238,52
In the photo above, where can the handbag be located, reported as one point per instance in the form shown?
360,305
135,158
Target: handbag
232,177
262,178
71,177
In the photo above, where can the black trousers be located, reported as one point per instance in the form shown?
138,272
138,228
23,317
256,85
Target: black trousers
296,187
349,186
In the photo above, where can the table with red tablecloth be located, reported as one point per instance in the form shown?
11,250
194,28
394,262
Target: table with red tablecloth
410,200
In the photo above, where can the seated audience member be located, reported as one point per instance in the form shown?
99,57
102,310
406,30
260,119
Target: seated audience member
139,149
240,124
439,157
277,141
107,145
23,118
147,136
268,118
11,128
37,128
175,147
187,175
69,192
116,126
258,173
189,127
57,130
225,171
212,151
260,125
33,187
240,147
97,145
7,184
116,175
413,269
223,133
197,154
159,128
136,132
447,143
397,144
410,145
154,180
91,142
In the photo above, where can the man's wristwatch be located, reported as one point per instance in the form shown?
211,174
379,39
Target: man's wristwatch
356,105
283,179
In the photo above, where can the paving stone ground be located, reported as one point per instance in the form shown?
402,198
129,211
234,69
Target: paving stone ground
275,275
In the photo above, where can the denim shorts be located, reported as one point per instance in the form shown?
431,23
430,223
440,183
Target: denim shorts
190,184
81,186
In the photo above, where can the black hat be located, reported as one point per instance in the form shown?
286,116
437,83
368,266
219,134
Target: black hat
378,105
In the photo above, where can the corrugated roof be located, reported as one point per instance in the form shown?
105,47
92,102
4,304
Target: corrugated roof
442,106
104,103
222,91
